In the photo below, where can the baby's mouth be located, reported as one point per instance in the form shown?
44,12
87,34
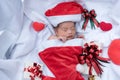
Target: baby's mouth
69,37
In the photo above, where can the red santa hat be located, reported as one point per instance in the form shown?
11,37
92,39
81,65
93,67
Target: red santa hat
114,51
65,11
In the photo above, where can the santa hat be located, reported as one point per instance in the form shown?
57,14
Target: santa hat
114,51
65,11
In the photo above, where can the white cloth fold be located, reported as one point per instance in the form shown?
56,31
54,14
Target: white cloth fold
28,45
11,17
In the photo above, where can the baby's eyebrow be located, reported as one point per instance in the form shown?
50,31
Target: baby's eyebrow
64,28
72,26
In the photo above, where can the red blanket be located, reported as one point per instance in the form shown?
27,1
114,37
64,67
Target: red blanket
62,61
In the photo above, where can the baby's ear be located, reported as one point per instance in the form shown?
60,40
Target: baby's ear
55,29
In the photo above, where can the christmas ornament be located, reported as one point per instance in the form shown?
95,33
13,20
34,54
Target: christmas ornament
90,56
33,71
91,16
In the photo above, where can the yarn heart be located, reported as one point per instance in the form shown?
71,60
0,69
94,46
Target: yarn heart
38,26
105,26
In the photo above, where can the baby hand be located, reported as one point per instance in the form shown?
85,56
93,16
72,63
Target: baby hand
81,36
63,39
52,37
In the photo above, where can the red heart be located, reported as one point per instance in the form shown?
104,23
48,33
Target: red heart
114,51
105,26
38,26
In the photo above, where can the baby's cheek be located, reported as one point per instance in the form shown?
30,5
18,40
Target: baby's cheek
64,34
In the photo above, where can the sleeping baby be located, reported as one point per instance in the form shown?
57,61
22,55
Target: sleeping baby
62,49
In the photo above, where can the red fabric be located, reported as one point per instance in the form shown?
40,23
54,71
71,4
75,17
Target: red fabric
62,62
114,51
48,78
38,26
65,8
105,26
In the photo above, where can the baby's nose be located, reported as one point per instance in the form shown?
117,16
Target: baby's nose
69,31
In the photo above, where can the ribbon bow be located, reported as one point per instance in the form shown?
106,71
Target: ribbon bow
35,71
91,57
90,16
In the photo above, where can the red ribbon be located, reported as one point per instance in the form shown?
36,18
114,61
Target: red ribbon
35,70
91,57
89,16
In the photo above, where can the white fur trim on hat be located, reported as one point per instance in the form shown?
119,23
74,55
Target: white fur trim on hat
55,20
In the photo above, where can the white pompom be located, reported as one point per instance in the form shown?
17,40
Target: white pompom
80,68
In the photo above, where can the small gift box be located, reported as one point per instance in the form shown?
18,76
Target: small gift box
32,71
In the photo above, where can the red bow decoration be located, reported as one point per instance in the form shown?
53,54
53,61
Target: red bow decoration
90,16
91,57
35,71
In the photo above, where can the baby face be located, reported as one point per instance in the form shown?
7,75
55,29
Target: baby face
66,29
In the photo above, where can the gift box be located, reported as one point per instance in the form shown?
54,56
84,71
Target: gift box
32,71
